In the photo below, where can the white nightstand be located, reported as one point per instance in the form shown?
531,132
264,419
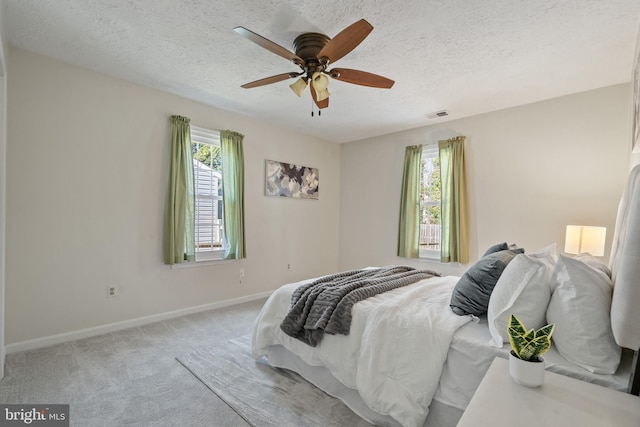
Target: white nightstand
560,401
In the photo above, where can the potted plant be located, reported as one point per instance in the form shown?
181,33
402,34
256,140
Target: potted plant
526,365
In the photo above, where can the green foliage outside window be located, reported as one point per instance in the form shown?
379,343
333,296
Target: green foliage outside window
209,155
431,191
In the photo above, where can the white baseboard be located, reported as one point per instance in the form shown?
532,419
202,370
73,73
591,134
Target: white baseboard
117,326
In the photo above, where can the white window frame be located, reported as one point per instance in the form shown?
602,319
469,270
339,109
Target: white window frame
210,137
430,151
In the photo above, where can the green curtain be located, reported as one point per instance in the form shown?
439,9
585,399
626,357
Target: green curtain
409,224
179,216
233,194
454,241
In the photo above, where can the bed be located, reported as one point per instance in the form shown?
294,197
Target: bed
409,360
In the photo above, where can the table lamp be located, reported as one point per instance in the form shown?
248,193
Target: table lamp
581,238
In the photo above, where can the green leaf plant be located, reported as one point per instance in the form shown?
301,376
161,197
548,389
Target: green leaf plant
528,345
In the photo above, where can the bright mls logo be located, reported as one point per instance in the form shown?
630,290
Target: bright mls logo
34,415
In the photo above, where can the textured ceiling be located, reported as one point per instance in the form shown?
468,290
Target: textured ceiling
465,56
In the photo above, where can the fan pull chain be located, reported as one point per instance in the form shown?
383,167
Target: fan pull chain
319,110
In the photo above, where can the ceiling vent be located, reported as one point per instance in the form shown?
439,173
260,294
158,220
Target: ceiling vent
438,114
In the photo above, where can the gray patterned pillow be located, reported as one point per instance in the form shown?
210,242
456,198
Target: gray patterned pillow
473,290
496,248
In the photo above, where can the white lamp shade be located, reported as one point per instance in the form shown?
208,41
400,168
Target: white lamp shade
580,239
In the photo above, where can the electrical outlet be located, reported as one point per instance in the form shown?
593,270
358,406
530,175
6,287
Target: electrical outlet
111,291
288,266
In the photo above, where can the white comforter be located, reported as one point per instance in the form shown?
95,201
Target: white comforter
394,353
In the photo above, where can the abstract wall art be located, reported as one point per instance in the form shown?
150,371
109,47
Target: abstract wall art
289,180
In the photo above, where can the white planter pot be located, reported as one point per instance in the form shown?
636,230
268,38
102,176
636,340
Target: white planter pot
530,374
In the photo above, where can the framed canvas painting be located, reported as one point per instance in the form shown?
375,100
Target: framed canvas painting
289,180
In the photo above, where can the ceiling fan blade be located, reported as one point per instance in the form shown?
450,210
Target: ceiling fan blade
361,78
320,104
269,45
346,40
269,80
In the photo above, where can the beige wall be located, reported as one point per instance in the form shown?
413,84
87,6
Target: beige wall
87,174
87,158
532,170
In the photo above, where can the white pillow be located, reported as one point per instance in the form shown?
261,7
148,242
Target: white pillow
594,262
579,307
524,289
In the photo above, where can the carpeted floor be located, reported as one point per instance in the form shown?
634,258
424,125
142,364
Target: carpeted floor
131,377
265,396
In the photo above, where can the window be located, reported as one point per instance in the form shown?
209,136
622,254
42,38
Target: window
430,185
207,182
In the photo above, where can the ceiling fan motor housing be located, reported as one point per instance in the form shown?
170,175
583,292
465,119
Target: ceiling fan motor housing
307,46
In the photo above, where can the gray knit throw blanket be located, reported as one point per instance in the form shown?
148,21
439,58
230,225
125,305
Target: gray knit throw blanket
324,305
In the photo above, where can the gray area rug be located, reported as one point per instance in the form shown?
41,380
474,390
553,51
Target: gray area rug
263,395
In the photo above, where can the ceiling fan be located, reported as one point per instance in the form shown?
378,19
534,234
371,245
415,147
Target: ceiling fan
314,52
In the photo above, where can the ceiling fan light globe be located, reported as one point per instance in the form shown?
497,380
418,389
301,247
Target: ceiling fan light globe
298,87
320,83
322,94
